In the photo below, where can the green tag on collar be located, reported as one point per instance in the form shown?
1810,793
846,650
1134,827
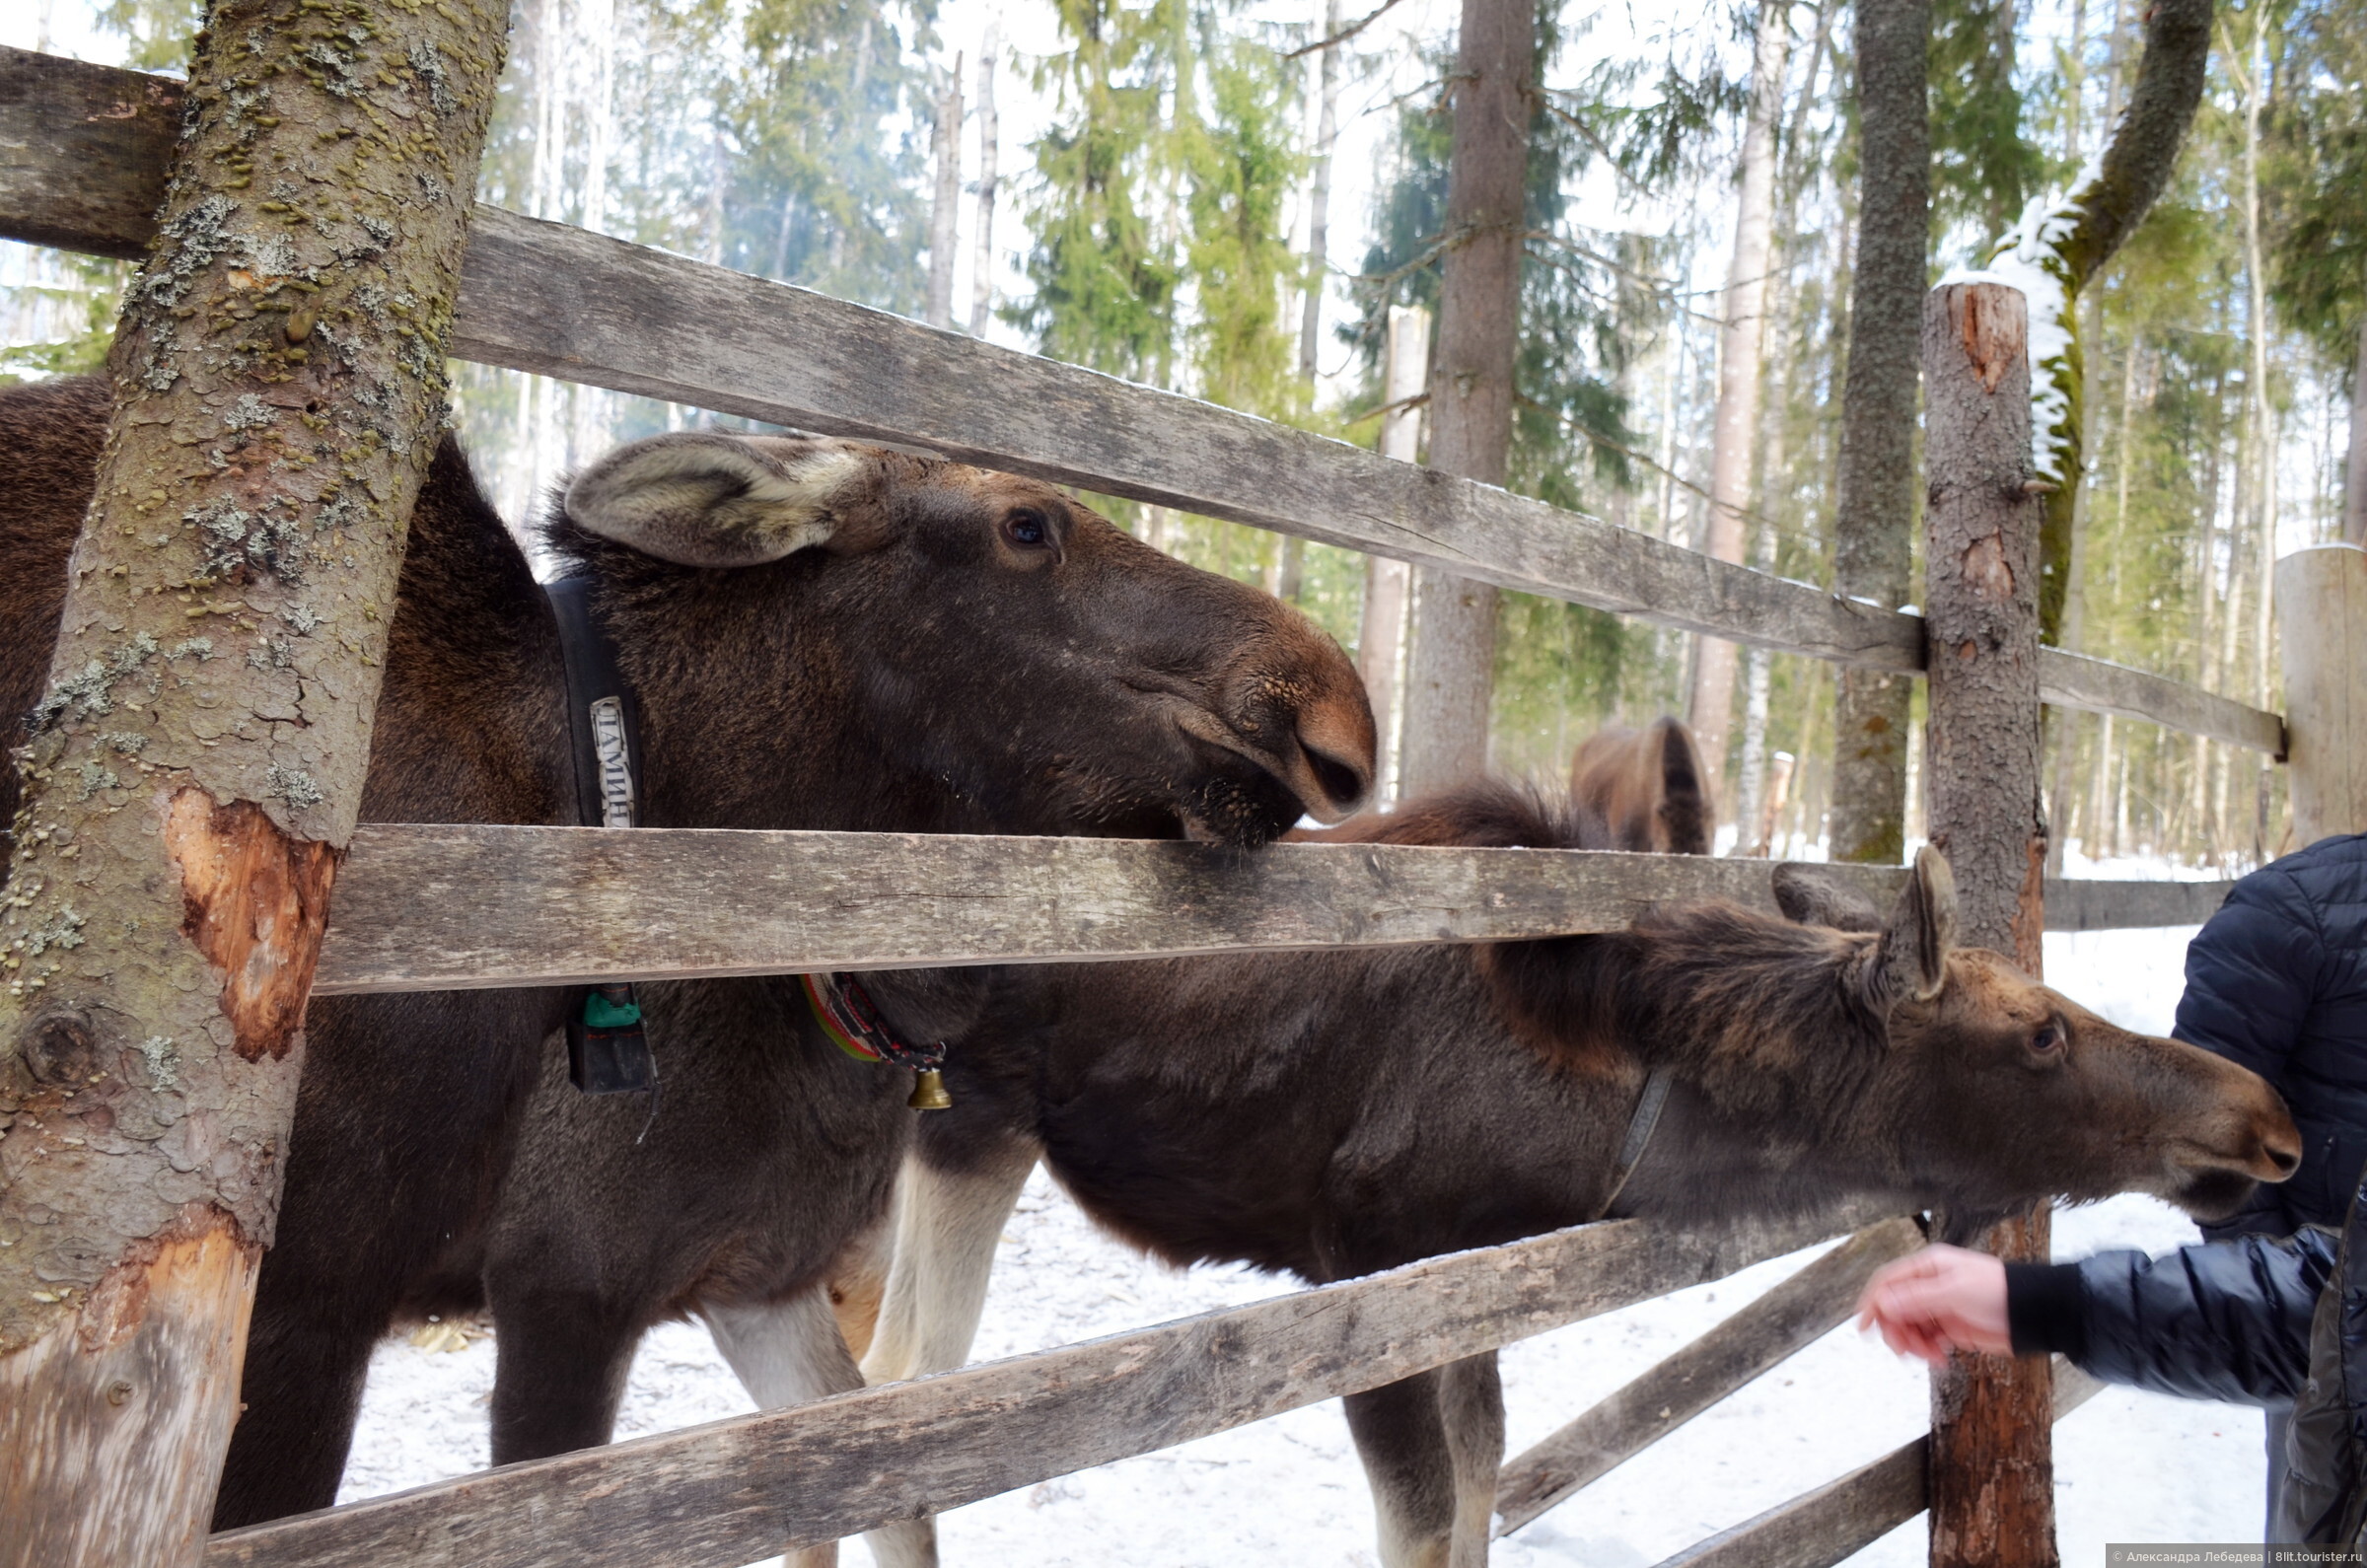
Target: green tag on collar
600,1013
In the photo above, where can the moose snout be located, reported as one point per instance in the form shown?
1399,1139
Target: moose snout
1314,732
2279,1152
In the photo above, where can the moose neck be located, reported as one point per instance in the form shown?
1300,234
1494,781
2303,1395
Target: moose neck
786,743
1782,1099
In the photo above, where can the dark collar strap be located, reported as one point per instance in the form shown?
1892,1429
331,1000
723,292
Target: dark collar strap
1640,1127
603,722
608,1051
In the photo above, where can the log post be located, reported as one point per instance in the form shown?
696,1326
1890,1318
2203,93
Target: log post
194,770
1993,1484
2321,630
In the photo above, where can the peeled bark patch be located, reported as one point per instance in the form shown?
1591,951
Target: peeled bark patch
257,901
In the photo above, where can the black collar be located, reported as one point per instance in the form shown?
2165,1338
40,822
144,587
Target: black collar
604,720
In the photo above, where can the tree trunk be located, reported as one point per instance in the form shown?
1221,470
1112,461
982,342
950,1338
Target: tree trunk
1992,1487
1406,366
1873,518
2354,473
981,280
2053,253
1451,677
196,764
1318,200
1738,373
945,147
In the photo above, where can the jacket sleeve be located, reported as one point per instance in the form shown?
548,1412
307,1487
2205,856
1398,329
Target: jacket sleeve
2251,975
2225,1320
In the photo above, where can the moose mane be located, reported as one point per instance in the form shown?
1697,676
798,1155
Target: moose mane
1727,995
1493,813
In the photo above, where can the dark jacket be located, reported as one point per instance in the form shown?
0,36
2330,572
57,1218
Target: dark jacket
2278,981
2251,1320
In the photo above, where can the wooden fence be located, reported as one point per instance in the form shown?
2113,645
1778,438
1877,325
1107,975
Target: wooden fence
84,155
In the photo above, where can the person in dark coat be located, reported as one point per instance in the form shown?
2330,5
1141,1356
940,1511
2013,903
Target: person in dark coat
2277,982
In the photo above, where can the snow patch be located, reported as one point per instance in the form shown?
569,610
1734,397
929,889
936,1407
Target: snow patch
2029,259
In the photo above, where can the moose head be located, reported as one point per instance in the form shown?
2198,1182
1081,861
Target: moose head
996,648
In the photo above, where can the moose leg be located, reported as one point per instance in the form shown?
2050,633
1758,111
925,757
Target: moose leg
1431,1446
299,1401
790,1352
946,1224
1471,1399
559,1366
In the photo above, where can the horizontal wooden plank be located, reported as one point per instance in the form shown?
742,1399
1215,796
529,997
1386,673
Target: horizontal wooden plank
2098,686
1787,1319
424,907
446,908
1822,1527
749,1487
84,153
2080,904
562,302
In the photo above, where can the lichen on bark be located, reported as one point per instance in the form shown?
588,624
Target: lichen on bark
196,763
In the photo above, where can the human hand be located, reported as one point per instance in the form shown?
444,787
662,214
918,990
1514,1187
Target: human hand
1941,1298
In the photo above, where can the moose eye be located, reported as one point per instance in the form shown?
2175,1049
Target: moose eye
2047,1040
1028,529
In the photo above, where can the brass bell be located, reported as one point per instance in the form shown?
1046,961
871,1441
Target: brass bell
928,1091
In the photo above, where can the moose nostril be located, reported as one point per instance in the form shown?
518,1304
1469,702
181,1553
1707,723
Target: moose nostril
1341,782
2285,1156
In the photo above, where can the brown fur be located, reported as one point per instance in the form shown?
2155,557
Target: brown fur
920,672
1649,786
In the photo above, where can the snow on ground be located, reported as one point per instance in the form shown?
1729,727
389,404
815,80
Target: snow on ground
2130,1466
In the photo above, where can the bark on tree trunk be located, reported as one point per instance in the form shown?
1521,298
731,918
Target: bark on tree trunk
1873,520
196,763
1737,418
981,281
1451,676
1992,1486
945,214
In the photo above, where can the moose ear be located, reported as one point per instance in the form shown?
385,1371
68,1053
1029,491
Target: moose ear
1684,810
713,500
1911,960
1811,896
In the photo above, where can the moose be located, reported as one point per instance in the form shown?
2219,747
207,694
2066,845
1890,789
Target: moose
1648,785
1327,1115
819,635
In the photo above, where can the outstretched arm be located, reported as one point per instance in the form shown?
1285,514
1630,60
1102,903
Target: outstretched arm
2218,1320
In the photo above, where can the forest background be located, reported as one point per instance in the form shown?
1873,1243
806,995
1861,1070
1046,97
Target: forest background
1186,194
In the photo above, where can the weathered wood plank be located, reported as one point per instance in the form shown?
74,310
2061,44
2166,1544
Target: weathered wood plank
85,150
1794,1315
2074,904
734,1490
446,907
1822,1527
561,302
2098,686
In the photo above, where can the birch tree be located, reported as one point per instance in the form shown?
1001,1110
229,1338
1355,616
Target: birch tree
1743,308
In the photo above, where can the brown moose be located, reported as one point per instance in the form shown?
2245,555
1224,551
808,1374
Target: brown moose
822,637
1333,1113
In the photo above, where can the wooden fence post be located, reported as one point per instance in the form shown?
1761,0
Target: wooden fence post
1992,1482
2322,630
193,773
